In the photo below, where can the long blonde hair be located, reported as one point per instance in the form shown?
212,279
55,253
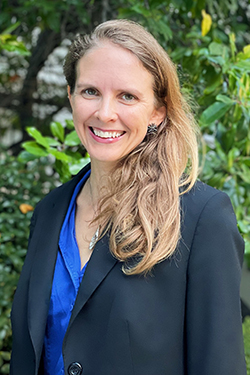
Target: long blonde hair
141,206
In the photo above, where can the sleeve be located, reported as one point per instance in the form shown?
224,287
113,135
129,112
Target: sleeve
214,341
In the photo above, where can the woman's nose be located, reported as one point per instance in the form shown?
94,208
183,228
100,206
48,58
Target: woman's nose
106,111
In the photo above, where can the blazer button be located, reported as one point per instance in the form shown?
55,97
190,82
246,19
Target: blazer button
75,368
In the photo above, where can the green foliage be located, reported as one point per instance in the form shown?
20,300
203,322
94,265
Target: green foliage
172,21
224,118
45,14
246,334
64,149
21,187
10,43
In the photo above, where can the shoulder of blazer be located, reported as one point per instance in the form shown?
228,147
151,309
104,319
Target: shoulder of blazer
194,201
45,217
204,200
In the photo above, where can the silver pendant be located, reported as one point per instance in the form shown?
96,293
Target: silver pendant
94,239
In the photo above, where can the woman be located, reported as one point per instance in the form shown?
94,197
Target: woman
133,267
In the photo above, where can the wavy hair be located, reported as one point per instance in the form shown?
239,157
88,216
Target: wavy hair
141,204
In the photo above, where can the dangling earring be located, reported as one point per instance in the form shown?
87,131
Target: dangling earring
152,129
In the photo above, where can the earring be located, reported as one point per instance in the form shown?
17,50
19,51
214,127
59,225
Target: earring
152,129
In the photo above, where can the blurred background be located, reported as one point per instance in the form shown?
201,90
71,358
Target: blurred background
210,44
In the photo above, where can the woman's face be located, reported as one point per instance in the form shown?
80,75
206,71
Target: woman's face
113,102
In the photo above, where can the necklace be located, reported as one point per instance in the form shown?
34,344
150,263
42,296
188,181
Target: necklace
94,239
96,234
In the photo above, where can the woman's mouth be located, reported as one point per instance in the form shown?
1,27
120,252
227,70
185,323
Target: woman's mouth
106,134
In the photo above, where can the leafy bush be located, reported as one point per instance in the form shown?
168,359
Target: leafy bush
67,150
220,78
21,187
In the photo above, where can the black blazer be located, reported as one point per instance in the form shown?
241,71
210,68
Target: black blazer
185,318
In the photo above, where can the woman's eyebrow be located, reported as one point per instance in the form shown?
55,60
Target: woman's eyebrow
131,90
84,84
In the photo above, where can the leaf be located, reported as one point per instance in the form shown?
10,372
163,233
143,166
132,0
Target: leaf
220,152
215,48
34,148
33,132
225,99
9,43
5,355
59,155
244,226
206,23
232,155
246,50
74,154
245,54
245,160
53,20
218,60
72,139
25,156
141,10
217,180
243,65
5,369
76,167
237,113
125,13
214,112
70,124
164,29
232,44
201,51
57,130
245,174
62,169
52,142
178,53
247,249
11,28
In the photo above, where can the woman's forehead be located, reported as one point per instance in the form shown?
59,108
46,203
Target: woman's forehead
112,62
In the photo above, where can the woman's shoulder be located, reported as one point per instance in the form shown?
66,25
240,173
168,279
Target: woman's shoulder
206,210
201,195
202,198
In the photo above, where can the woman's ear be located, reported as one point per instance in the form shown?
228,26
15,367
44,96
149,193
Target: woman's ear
159,115
69,94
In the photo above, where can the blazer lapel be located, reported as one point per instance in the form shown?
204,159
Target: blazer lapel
45,239
100,264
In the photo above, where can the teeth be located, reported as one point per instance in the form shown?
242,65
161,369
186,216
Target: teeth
102,134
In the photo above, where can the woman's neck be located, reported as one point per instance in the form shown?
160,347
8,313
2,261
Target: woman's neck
98,179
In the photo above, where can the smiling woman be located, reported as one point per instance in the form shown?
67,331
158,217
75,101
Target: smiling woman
129,271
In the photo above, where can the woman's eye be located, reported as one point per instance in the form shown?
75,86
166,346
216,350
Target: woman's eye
90,92
128,97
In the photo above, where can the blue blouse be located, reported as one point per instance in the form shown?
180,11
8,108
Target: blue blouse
67,279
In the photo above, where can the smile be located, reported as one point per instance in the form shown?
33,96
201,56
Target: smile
107,134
